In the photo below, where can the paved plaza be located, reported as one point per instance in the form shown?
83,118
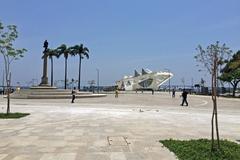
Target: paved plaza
109,128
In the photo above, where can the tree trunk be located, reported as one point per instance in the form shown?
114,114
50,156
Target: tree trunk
51,71
65,82
234,88
216,123
79,72
8,92
8,99
215,101
212,131
7,78
212,121
214,98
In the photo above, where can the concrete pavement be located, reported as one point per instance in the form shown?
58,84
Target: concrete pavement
126,128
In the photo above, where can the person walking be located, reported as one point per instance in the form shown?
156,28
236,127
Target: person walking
184,97
73,94
173,93
116,93
152,92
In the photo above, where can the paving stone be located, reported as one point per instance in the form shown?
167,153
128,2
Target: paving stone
135,156
117,156
102,142
117,141
95,156
2,156
4,143
24,157
59,156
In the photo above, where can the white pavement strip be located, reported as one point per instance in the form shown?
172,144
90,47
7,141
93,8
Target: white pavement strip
202,104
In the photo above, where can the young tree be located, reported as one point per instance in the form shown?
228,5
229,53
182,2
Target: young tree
7,36
231,72
211,58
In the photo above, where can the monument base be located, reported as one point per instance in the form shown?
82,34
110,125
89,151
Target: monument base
48,92
44,81
43,87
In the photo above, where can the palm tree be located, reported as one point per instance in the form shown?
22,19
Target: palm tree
52,53
65,51
81,51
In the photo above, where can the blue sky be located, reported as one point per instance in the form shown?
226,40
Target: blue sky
122,35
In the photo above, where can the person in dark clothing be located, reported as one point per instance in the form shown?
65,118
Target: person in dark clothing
173,93
184,97
73,94
116,93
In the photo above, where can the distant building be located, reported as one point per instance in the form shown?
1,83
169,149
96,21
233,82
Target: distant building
145,80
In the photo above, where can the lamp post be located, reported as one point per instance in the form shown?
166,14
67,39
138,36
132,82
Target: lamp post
91,83
3,83
98,78
183,81
72,83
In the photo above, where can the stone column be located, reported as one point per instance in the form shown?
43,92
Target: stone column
44,81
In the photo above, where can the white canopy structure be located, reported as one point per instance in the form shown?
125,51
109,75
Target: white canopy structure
146,80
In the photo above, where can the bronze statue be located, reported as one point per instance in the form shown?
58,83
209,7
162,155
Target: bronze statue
45,45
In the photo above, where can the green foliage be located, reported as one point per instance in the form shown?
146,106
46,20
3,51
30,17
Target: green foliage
231,71
13,115
63,50
7,36
51,53
200,149
206,56
80,50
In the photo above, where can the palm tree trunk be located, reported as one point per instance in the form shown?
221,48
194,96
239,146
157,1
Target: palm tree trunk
51,71
65,82
79,72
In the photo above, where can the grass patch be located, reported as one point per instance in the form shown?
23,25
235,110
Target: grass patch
201,149
13,115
